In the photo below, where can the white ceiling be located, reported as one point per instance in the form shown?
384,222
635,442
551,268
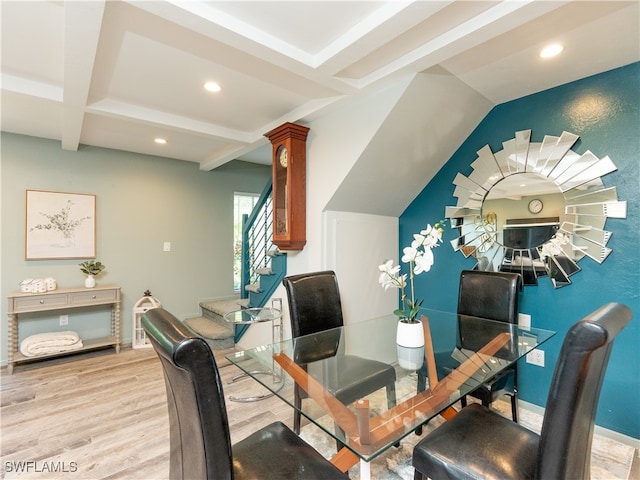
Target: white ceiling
117,74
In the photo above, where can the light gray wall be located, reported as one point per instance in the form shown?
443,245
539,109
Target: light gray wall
142,201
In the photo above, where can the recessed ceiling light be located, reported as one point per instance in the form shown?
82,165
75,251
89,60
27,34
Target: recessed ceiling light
551,50
212,87
160,141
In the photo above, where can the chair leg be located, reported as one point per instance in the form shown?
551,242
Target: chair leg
338,430
391,395
422,386
296,411
514,406
417,475
514,397
422,382
463,401
391,401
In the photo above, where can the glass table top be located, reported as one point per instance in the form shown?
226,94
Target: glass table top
253,315
466,352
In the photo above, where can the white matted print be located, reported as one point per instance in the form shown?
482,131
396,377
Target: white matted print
60,225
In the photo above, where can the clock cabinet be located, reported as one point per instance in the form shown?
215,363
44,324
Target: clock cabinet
289,175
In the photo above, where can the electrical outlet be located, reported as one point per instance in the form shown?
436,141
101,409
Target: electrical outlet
536,357
166,246
524,320
64,320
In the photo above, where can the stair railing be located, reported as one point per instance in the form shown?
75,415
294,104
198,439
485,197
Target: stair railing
263,266
257,236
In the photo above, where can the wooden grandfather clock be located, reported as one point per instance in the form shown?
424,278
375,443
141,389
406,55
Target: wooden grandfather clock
289,151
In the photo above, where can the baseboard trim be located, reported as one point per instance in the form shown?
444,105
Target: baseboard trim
598,430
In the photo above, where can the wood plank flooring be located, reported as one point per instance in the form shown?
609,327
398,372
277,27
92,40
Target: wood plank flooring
104,416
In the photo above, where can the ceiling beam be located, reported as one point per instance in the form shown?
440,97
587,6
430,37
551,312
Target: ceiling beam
83,22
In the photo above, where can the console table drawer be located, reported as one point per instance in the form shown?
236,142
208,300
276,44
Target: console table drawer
39,302
93,297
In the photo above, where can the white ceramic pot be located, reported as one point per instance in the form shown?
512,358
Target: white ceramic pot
90,281
410,334
410,341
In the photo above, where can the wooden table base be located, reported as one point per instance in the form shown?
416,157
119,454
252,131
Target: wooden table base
369,434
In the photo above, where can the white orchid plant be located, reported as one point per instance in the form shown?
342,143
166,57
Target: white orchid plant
420,258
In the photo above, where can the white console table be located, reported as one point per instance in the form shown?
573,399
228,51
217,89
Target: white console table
63,299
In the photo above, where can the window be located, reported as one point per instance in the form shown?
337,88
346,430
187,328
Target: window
243,203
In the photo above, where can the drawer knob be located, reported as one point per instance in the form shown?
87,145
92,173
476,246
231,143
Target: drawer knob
94,297
41,302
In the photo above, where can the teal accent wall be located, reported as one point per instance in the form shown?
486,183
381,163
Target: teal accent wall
604,110
141,202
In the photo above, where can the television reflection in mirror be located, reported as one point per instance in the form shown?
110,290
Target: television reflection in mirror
503,184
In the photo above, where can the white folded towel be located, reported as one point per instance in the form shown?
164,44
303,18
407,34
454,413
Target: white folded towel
51,342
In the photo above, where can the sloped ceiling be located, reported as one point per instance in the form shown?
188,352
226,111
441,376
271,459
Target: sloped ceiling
433,117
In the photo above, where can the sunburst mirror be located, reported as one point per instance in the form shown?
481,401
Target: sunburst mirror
535,208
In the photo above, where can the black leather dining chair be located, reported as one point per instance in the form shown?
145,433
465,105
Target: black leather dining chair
315,306
491,295
480,443
200,444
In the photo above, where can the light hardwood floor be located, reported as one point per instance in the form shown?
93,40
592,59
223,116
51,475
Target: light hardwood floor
103,416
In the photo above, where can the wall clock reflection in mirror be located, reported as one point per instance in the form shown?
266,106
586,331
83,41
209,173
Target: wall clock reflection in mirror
499,213
535,206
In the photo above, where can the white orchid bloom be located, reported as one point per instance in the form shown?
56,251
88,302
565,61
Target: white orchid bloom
410,254
402,281
424,262
431,235
387,280
388,267
419,256
389,275
427,230
418,240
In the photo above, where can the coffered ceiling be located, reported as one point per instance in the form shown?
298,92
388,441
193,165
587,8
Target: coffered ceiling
119,74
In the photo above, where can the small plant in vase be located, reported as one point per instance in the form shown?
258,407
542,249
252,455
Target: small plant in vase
91,268
419,256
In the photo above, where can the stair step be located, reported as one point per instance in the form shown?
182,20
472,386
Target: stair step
212,325
264,271
254,287
218,308
218,334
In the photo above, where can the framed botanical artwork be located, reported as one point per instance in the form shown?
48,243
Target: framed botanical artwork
60,225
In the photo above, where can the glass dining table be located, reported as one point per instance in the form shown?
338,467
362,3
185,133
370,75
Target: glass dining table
460,353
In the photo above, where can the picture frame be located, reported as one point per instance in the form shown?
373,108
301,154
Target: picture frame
59,225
